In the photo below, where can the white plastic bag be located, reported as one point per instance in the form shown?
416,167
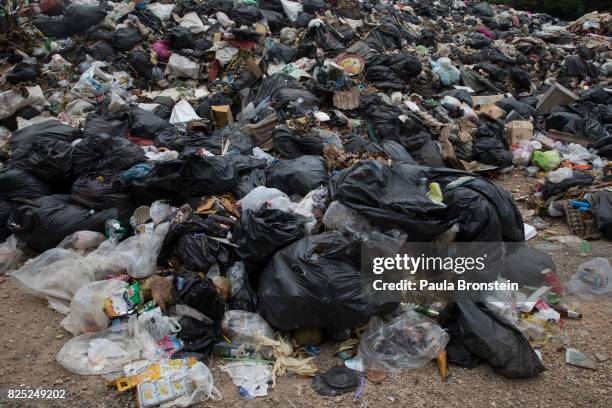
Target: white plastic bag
161,11
258,197
182,114
182,67
292,9
192,22
87,306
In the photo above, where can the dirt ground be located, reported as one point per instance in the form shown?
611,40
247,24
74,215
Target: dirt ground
31,336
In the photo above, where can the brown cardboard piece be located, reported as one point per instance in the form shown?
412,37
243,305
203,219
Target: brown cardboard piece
481,100
254,67
223,115
519,130
492,111
556,95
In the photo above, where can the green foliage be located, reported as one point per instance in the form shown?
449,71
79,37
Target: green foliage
564,9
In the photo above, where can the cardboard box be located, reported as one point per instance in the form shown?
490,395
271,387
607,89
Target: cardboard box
519,130
556,95
223,115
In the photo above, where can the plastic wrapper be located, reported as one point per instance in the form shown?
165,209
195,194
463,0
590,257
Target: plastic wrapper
408,341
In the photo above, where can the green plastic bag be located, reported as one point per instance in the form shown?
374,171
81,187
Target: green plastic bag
547,161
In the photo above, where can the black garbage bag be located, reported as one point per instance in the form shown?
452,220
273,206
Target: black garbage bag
164,110
19,183
524,265
385,36
195,244
604,146
384,78
478,220
180,38
316,282
390,197
149,19
51,26
281,53
276,20
292,145
43,133
46,221
101,191
511,104
199,293
22,72
99,153
483,9
248,182
259,234
140,62
238,140
574,66
602,211
190,176
477,334
520,78
126,38
245,15
242,295
6,209
474,227
311,6
326,39
489,150
49,161
102,121
80,18
103,51
298,176
564,121
428,154
397,152
579,178
198,336
147,124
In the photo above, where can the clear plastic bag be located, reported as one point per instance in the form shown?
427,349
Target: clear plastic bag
245,327
82,242
137,254
87,306
408,341
205,389
104,352
593,278
10,253
150,329
444,69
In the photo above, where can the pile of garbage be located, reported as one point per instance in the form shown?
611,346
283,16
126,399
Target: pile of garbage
186,178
